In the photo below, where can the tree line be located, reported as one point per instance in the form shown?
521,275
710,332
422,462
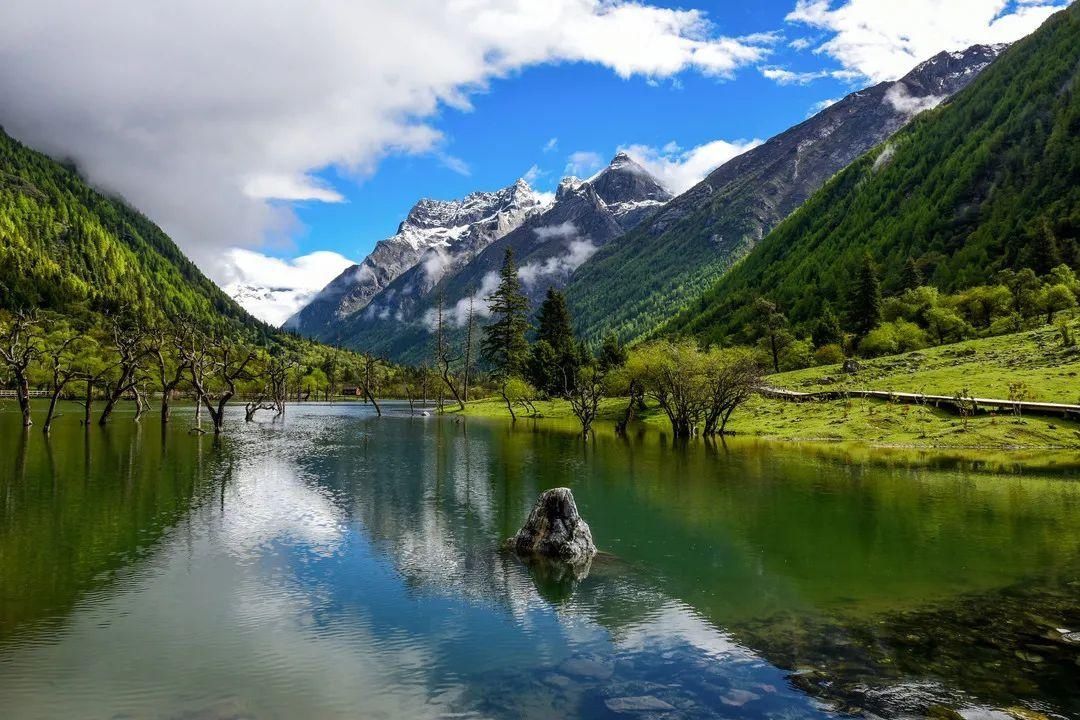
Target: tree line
915,315
101,360
697,389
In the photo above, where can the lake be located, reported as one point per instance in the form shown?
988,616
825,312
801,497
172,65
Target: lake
340,565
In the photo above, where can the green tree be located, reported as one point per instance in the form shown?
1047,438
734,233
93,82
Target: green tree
827,330
504,346
864,300
1053,298
612,353
1044,249
912,277
771,328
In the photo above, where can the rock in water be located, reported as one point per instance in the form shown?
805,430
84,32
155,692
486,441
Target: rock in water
555,530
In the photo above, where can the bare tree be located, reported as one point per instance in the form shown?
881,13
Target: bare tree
371,374
278,369
586,390
129,338
470,334
61,361
216,365
171,368
20,347
443,358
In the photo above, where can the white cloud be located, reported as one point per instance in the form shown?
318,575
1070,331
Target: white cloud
822,105
286,187
906,104
551,145
455,164
533,174
203,114
562,230
557,267
435,262
273,289
783,76
679,170
583,163
883,40
459,314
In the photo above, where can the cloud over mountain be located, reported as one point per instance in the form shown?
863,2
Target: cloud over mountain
213,117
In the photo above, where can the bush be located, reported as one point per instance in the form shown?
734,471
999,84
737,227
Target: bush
797,355
828,355
879,341
893,337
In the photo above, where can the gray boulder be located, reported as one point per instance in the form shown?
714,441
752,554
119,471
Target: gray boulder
555,530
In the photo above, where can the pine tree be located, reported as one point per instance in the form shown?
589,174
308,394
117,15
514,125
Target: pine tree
1044,248
504,346
913,276
864,306
554,321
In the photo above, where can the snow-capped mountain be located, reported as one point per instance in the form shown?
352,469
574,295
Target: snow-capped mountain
549,246
432,232
270,304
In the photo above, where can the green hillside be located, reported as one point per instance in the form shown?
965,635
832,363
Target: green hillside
63,246
987,182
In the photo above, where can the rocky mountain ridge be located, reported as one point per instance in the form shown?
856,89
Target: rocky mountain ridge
431,229
638,281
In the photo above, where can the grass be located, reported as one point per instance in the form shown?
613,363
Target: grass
985,367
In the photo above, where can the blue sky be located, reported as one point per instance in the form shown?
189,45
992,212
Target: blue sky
586,107
278,141
583,107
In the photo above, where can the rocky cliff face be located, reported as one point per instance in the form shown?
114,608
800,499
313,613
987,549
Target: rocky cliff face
636,282
548,247
436,233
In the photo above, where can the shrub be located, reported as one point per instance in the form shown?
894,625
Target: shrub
829,355
893,337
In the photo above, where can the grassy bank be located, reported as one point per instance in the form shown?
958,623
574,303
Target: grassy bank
985,367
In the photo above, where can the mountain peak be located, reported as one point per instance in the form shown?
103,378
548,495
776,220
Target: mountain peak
625,180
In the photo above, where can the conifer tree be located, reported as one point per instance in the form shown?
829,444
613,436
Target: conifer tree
1044,248
864,305
504,346
913,276
554,322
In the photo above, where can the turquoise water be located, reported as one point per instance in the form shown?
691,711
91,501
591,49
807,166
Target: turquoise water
339,565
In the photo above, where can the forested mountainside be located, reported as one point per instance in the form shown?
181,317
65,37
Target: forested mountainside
643,278
66,246
586,215
439,233
989,181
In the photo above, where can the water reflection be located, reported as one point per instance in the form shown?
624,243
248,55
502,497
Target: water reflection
337,564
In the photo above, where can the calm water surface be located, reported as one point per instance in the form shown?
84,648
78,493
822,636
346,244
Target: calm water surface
337,565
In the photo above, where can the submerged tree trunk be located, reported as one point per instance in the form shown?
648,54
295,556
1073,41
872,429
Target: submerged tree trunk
57,389
24,400
88,406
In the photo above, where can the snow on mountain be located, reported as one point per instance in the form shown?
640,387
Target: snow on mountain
434,233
